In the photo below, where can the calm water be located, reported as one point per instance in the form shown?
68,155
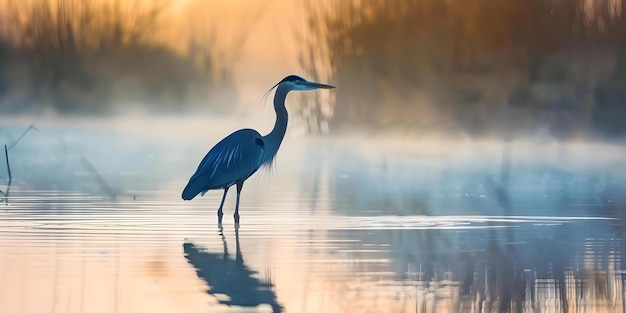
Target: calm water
94,223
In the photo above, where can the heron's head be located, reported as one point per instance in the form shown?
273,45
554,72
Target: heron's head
293,82
298,83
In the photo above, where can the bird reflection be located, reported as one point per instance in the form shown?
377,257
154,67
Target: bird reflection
229,276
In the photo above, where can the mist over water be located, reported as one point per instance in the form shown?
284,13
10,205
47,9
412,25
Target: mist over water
471,158
94,223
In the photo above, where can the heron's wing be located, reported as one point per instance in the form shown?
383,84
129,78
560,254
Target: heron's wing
234,158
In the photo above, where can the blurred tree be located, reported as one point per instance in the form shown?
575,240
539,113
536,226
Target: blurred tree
58,38
92,56
454,65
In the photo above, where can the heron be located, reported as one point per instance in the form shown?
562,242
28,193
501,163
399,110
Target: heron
238,156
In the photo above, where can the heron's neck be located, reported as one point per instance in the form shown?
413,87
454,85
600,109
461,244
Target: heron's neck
275,137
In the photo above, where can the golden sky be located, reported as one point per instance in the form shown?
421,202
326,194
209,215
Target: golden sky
269,28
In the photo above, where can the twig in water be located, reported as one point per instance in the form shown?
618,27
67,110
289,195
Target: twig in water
32,126
6,157
103,184
6,194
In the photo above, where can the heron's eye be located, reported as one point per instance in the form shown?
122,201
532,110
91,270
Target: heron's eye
297,82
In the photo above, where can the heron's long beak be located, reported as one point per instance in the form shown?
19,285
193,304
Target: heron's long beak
318,85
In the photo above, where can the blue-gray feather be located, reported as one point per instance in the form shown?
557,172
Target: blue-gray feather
233,159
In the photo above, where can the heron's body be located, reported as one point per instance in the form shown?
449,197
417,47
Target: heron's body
238,156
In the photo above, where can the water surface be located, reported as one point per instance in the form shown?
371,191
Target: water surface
94,223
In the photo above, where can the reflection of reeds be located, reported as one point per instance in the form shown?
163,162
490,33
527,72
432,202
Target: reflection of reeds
499,288
523,268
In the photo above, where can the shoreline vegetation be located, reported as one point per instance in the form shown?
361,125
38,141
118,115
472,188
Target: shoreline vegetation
474,67
459,68
96,57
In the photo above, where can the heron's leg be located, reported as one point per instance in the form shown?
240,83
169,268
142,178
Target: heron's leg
219,211
239,186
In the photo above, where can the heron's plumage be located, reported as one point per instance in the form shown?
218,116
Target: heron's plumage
238,156
234,158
